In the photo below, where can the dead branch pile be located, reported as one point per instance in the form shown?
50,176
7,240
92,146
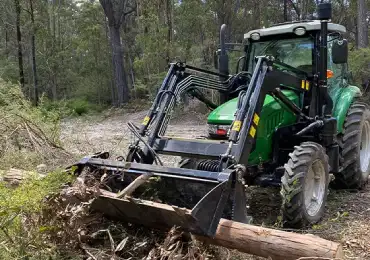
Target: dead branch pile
32,132
19,133
99,238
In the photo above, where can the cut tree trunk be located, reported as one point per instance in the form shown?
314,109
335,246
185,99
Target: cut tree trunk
14,176
265,242
277,244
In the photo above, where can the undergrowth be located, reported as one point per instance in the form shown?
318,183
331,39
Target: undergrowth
29,136
22,230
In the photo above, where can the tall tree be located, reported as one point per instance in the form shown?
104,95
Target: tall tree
115,11
19,42
33,53
362,26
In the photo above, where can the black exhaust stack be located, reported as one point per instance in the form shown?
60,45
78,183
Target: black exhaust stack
223,60
324,11
329,130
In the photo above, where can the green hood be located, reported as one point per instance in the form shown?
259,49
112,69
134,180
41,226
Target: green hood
225,113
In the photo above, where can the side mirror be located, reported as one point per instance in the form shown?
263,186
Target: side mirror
340,51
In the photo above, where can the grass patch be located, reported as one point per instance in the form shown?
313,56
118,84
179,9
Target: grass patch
22,227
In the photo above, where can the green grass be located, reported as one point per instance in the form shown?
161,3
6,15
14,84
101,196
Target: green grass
22,227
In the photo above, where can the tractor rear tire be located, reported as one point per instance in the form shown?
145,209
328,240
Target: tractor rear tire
304,186
354,149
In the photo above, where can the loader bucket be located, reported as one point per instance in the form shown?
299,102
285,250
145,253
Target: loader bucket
202,218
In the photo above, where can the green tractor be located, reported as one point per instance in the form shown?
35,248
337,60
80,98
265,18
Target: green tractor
288,117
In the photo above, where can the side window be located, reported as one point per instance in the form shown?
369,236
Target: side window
335,68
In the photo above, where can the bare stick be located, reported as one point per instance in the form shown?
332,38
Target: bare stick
134,185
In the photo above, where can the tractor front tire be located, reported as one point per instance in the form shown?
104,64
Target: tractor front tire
304,185
354,149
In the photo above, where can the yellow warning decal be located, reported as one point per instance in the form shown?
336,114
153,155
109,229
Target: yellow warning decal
237,125
256,119
252,131
305,84
146,120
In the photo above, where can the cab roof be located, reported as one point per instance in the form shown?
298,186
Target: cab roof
289,28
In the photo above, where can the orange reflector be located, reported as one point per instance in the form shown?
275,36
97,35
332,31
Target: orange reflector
329,74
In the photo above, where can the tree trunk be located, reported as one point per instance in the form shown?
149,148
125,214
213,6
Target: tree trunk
114,11
362,28
33,53
19,43
118,67
256,240
276,244
111,82
285,11
169,29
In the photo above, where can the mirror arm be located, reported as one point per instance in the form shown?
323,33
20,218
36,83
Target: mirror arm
238,63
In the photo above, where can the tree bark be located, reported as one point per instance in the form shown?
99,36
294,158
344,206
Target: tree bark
169,29
19,43
115,14
118,67
265,242
362,27
33,53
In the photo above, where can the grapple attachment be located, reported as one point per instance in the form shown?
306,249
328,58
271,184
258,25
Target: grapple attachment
202,218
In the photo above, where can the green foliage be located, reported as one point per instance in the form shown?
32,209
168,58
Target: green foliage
20,217
79,106
140,91
359,61
14,104
28,134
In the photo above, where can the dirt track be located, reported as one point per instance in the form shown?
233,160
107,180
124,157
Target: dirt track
347,217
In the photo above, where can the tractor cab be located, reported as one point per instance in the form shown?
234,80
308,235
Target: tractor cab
295,47
296,44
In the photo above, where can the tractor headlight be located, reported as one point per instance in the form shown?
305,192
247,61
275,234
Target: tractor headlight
300,31
218,130
255,36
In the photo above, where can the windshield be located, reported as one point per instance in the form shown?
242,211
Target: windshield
294,52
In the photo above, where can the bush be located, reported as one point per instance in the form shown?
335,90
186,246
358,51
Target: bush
140,92
79,106
29,135
359,65
48,106
23,228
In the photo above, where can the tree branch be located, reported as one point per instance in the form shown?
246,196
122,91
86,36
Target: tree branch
296,9
108,10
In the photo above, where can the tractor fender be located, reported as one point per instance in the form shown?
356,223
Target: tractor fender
343,98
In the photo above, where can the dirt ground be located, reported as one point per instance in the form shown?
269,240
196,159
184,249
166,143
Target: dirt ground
347,216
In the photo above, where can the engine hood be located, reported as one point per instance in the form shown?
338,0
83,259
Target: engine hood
225,113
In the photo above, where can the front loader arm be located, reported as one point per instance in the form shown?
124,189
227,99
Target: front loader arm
264,81
225,182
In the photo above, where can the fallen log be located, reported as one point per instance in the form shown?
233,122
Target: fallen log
15,176
276,244
255,240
